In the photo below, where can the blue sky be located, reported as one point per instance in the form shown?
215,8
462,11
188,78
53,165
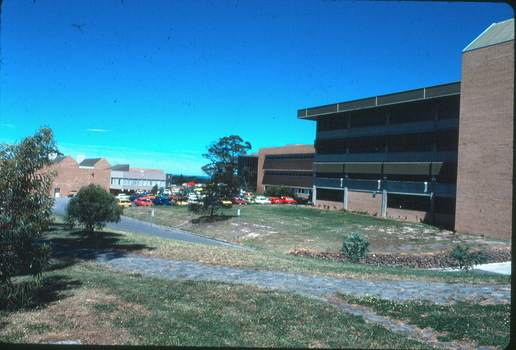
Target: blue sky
153,83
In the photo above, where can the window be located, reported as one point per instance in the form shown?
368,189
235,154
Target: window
407,202
330,195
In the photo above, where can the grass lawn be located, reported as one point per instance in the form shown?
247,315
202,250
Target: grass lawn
96,305
281,228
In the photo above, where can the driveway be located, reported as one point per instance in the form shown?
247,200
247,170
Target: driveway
132,225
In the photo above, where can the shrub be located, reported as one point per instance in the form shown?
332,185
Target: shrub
279,191
465,260
356,248
92,207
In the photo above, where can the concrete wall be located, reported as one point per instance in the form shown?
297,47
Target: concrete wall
485,161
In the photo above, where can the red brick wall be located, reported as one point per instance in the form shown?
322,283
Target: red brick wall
484,179
71,177
290,164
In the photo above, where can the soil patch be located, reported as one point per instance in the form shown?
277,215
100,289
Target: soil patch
414,261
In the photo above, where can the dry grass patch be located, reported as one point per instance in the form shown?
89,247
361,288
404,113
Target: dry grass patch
72,319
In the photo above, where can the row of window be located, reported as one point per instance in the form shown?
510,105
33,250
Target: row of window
289,173
297,191
446,108
137,182
442,205
289,156
442,141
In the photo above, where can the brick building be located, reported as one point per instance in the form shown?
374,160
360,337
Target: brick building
73,175
290,166
485,167
440,154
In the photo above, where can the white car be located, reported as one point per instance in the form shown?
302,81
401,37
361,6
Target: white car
121,196
261,200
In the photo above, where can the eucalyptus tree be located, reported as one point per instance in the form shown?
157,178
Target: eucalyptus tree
25,213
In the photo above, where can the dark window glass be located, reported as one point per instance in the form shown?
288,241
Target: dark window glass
406,202
330,195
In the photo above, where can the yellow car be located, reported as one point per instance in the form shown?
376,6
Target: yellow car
180,201
225,202
124,203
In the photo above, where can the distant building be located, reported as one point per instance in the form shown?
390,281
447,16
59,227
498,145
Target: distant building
440,154
73,175
248,169
290,165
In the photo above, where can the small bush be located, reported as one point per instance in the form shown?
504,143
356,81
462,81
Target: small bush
356,248
465,260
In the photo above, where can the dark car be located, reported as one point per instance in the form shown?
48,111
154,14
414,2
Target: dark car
301,200
135,196
163,200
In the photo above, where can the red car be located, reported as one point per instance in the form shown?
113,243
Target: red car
276,200
289,200
143,201
237,200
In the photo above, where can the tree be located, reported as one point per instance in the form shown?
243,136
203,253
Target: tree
223,166
25,208
93,207
279,191
222,169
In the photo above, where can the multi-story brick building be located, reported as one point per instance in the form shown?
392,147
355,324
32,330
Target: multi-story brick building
440,154
290,165
485,166
73,175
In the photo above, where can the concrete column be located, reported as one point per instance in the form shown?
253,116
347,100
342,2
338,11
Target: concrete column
345,201
384,203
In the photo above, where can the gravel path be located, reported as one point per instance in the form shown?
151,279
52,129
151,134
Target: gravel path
320,287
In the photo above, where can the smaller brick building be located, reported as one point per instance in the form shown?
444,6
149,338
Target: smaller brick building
290,166
71,176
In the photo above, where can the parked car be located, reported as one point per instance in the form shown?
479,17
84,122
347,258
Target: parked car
301,200
150,195
135,196
122,196
143,201
276,200
124,203
237,200
180,201
249,200
225,202
72,193
288,200
262,200
162,200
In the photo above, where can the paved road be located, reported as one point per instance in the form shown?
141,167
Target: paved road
132,225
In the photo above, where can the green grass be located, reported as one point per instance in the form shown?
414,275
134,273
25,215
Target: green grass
258,260
140,310
489,325
282,228
97,305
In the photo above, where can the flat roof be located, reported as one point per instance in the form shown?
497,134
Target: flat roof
425,93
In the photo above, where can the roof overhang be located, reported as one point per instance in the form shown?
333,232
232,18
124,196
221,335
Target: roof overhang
382,100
